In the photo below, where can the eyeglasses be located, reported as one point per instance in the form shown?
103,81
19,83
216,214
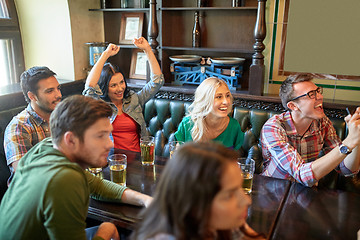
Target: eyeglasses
311,94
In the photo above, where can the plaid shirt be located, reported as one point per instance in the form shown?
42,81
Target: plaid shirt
23,132
288,155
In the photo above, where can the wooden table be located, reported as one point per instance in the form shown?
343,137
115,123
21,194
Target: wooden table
268,197
138,177
311,213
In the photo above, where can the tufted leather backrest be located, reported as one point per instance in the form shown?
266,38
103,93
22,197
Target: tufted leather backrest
340,127
251,122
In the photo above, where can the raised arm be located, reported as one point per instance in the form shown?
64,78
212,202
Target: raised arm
143,44
157,78
325,164
95,72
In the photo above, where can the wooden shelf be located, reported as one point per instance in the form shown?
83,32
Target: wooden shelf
205,8
245,51
126,46
120,10
220,20
225,32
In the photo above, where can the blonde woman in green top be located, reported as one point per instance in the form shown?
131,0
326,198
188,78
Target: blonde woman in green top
208,118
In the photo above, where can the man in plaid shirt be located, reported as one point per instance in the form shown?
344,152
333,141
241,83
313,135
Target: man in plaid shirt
291,142
42,92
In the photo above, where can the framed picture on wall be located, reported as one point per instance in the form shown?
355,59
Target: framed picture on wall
138,64
131,27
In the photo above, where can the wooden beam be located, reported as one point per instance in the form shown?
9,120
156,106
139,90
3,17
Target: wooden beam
257,68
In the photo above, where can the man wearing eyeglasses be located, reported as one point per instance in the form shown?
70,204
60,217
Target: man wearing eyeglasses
292,141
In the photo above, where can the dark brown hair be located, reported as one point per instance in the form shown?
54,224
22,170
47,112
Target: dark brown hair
182,201
108,71
76,114
30,78
287,91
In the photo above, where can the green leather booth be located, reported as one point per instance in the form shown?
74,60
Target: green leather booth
162,117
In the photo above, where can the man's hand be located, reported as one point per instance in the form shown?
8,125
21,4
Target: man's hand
147,200
136,198
107,231
353,124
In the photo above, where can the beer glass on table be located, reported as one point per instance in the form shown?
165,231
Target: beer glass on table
247,166
147,146
117,166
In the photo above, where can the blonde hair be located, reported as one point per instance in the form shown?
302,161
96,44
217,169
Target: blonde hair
203,105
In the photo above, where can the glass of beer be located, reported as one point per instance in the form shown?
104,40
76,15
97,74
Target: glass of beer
247,166
117,166
96,172
147,146
173,145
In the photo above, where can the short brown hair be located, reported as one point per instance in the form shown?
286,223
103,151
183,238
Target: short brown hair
30,78
287,90
76,114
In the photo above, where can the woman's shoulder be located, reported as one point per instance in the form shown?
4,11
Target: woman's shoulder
130,96
186,119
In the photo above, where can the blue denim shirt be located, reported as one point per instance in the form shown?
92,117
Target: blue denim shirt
134,103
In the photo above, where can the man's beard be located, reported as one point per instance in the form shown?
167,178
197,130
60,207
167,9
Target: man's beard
44,107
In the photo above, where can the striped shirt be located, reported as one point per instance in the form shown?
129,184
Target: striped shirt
23,132
287,155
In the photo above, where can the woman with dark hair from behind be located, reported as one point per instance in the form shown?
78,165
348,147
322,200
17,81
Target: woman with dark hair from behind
107,82
199,196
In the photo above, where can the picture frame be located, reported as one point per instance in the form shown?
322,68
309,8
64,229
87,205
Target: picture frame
138,65
131,27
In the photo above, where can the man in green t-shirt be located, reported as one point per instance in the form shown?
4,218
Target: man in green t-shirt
49,195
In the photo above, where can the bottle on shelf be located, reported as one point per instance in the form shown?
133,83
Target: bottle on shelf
104,4
144,3
196,37
237,3
201,3
123,3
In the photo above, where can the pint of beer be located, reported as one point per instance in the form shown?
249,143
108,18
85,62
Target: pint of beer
147,146
117,166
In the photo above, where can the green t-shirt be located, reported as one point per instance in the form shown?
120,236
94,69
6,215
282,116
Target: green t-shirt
231,137
49,197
